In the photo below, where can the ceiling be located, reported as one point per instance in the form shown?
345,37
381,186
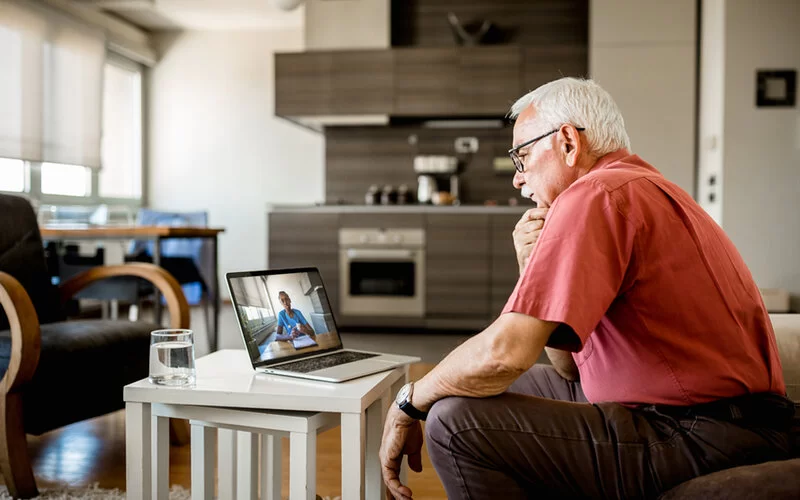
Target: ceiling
156,15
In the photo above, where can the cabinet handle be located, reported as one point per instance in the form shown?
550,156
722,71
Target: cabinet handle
389,254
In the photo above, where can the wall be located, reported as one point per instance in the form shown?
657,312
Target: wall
215,144
644,53
289,283
761,165
355,24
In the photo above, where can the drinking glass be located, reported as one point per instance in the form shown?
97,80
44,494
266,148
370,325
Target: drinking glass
172,357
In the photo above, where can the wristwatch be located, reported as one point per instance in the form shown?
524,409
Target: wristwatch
403,401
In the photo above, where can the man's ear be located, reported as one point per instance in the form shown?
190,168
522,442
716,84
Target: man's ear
570,144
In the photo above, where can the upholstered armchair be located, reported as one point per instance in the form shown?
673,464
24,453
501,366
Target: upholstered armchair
55,372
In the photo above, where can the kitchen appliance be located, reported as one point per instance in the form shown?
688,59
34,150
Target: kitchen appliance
382,272
437,173
426,186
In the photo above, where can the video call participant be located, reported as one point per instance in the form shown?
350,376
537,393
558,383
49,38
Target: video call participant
291,322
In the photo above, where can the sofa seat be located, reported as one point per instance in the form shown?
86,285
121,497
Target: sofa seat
82,366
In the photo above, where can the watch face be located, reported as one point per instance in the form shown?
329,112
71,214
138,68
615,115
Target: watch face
402,395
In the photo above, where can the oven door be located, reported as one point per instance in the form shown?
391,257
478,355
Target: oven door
382,282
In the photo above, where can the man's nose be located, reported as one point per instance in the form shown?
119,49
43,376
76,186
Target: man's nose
518,180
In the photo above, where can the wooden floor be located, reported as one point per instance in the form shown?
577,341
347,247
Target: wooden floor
94,452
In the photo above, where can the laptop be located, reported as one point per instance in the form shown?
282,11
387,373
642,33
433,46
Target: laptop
288,327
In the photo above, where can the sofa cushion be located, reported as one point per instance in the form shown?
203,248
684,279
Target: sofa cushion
774,480
82,369
22,256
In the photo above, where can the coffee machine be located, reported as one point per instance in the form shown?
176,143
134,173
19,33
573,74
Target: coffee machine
437,179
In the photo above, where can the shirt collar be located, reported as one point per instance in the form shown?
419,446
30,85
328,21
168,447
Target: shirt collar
609,158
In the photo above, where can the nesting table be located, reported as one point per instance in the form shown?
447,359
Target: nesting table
265,403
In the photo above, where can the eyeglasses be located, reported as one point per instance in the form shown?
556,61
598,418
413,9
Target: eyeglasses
514,152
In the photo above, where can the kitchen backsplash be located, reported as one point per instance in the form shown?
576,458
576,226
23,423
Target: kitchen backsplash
358,157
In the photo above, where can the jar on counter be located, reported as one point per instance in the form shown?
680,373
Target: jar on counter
389,195
373,196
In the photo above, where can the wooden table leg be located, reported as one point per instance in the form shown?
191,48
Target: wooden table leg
160,444
226,463
203,447
376,415
303,465
247,462
271,475
353,443
137,451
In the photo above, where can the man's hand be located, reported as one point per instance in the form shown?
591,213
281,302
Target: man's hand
526,233
402,435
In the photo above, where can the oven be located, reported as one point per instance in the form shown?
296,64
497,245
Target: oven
382,272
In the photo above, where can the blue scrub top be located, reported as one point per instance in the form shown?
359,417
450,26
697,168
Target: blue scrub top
288,323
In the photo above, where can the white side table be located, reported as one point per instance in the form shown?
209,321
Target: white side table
225,380
238,457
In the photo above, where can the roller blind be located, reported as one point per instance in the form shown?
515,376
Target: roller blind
51,86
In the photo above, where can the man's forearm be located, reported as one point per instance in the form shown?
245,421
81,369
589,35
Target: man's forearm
486,364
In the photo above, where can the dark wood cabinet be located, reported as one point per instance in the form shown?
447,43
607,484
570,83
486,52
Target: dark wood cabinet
457,266
420,81
426,82
504,267
300,240
550,62
333,83
382,221
489,79
303,84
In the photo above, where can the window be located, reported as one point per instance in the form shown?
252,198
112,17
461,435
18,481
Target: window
12,175
66,180
121,175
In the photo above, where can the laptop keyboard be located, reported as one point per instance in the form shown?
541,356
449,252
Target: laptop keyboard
335,359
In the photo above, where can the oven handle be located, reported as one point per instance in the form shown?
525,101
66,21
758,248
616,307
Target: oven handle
394,254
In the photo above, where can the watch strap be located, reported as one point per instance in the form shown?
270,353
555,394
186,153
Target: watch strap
412,411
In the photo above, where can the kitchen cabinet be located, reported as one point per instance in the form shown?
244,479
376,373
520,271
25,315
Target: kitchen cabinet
418,82
545,63
426,82
300,240
489,79
504,267
457,266
333,83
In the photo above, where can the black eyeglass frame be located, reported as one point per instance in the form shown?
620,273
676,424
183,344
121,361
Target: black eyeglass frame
519,165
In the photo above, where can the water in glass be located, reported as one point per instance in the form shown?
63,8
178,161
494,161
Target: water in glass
172,357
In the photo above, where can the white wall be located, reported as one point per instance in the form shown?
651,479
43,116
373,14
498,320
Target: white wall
761,165
347,24
215,144
644,53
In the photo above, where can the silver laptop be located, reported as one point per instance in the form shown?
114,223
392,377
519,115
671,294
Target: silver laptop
288,328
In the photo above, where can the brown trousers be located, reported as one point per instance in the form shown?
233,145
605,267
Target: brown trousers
542,439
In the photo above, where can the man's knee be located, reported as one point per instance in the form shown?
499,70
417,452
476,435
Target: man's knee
443,419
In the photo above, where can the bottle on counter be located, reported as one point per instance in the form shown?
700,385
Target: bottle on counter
373,196
403,195
389,195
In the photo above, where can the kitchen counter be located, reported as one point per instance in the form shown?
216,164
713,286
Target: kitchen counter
400,209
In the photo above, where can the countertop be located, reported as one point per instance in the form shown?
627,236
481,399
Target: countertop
401,209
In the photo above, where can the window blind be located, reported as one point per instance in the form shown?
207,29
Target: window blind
51,86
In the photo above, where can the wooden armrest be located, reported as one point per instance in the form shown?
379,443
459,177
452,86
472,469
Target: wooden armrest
26,340
176,302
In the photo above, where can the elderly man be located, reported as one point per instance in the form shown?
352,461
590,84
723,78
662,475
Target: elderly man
664,360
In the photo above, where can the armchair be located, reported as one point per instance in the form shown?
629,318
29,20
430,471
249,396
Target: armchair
47,364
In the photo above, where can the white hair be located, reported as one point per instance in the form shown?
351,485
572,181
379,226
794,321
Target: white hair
582,103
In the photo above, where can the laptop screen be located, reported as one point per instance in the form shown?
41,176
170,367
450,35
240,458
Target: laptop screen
283,314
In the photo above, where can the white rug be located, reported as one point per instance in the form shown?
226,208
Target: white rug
93,493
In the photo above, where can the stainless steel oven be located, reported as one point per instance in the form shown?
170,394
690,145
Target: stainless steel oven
382,272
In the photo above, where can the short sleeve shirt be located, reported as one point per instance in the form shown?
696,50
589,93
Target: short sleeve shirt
288,323
665,308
